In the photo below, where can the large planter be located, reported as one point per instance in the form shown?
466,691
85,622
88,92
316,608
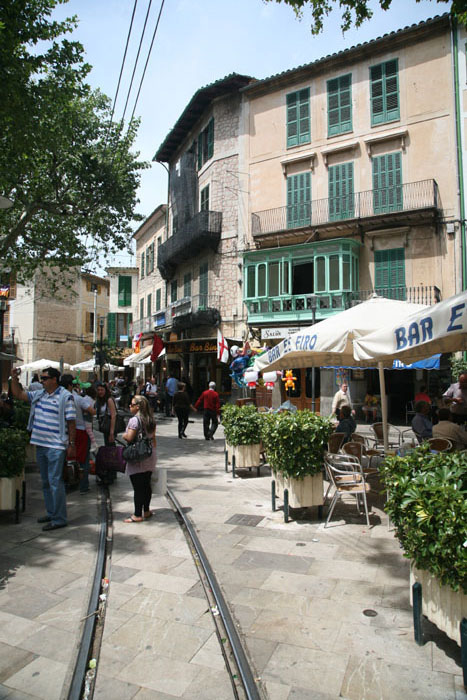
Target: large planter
9,487
303,493
247,456
442,606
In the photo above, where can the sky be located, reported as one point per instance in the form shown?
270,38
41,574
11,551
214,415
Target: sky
198,42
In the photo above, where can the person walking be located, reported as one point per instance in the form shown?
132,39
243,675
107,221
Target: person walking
209,402
341,398
171,387
53,430
151,392
182,405
140,473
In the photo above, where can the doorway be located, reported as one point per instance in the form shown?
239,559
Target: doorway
303,278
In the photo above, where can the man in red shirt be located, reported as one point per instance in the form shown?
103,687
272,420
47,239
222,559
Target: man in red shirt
209,402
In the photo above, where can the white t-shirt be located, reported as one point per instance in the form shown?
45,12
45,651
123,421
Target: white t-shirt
82,403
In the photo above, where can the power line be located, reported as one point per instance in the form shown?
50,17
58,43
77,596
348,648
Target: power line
147,59
123,61
137,58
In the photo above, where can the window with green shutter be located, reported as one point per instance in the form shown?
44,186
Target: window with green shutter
111,328
299,200
204,199
390,273
384,92
187,285
173,291
141,308
387,183
141,266
206,144
203,286
339,105
149,305
158,299
341,194
298,118
124,290
129,320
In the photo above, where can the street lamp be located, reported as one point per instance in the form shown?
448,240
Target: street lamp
101,359
314,303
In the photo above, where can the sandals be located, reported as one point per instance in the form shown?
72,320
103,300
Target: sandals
133,519
149,515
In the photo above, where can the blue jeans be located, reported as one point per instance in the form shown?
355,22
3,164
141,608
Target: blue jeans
51,461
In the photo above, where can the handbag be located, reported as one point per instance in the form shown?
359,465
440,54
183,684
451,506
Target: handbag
105,418
110,458
138,450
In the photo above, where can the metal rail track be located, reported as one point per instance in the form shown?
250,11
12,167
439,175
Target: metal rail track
242,670
83,678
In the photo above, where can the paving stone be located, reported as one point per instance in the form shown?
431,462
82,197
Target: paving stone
378,679
167,606
147,694
210,684
162,582
210,654
12,660
306,668
300,584
43,678
276,691
159,673
122,573
56,644
270,560
307,694
68,612
108,687
28,601
13,628
286,628
259,651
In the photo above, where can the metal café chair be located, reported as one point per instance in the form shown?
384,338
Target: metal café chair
347,463
347,478
394,435
335,442
364,456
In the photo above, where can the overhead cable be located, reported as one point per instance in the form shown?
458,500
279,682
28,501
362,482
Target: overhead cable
137,58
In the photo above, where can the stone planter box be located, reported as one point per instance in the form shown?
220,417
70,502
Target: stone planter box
444,607
229,450
303,493
247,456
12,492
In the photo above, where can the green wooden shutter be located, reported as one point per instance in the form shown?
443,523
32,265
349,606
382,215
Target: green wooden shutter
200,150
141,308
390,273
129,320
158,299
149,305
124,290
384,92
339,105
298,117
204,199
141,266
203,286
387,183
341,193
111,328
173,291
187,285
210,138
298,200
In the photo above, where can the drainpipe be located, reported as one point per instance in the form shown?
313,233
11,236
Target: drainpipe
459,158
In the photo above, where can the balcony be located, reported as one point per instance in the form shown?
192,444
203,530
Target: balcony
142,325
202,231
198,310
412,201
297,308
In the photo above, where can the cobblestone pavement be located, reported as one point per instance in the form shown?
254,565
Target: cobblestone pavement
297,593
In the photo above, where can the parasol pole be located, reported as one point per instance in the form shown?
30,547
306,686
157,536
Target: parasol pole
384,407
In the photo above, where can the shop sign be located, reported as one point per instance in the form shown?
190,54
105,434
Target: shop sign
160,320
195,346
273,333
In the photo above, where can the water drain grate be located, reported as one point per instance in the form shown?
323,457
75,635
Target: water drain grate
244,519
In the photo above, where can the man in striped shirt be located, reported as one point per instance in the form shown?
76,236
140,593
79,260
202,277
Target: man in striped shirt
53,428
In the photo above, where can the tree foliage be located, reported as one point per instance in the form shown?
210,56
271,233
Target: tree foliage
66,166
355,12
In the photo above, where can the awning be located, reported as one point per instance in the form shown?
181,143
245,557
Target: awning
137,357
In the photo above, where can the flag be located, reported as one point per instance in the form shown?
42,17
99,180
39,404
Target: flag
137,342
157,347
222,348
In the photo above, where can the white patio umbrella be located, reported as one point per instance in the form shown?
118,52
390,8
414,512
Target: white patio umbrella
39,365
330,342
438,328
90,365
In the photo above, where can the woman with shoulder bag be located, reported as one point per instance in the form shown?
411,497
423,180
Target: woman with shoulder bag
106,414
141,426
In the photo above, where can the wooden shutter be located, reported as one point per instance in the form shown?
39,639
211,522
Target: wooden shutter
384,92
341,193
298,117
390,273
210,138
298,200
339,105
387,183
111,328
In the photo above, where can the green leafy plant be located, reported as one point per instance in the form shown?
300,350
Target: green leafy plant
458,365
242,424
295,442
13,444
428,505
20,417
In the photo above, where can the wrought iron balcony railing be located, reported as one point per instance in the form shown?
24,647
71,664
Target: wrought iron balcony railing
359,205
197,310
141,325
202,231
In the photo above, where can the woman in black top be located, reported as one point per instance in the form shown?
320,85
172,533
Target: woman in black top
182,405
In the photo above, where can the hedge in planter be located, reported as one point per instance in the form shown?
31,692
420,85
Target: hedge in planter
242,425
295,442
427,503
13,444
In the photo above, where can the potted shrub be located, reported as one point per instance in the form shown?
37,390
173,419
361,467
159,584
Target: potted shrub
427,502
13,444
295,444
19,420
244,435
